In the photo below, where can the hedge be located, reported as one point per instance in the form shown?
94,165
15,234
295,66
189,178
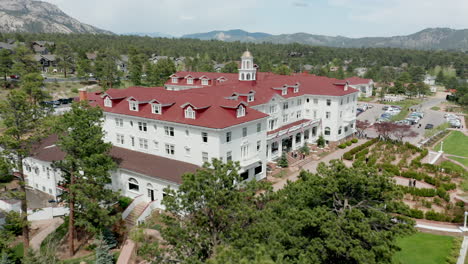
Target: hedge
342,146
390,168
349,143
350,154
354,140
417,161
431,215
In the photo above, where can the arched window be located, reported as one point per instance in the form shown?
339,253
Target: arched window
133,185
248,76
242,77
241,111
189,113
107,102
339,130
327,131
247,65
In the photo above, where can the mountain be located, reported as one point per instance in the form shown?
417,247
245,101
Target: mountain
40,17
230,35
430,38
149,34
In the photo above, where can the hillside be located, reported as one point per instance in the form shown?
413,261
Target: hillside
431,38
40,17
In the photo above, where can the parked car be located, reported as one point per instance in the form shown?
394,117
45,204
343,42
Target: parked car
429,126
385,108
396,106
419,114
14,77
44,76
415,118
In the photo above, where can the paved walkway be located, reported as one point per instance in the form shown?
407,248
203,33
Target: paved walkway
51,225
312,165
463,249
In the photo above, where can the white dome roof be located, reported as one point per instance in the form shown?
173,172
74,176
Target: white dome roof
247,54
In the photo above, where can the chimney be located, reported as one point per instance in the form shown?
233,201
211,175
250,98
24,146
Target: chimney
83,94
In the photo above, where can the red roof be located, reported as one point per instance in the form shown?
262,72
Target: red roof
215,105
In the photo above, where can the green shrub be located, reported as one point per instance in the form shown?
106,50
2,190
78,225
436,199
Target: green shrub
342,146
124,202
13,223
415,213
321,141
426,204
460,204
347,156
354,140
432,215
411,175
350,154
349,143
423,192
449,186
305,149
283,161
390,168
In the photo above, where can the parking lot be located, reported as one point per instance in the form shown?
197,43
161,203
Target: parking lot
430,117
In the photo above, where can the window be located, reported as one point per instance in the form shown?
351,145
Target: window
347,99
119,122
259,145
187,151
314,131
229,156
244,175
132,139
285,118
273,109
204,82
133,185
341,102
272,124
296,89
298,114
352,125
327,131
258,170
341,114
315,101
284,91
299,101
107,102
169,131
133,106
339,130
204,136
259,127
250,98
307,100
285,105
156,145
244,151
131,123
205,156
170,149
327,115
175,79
315,113
189,80
244,132
156,109
187,132
346,129
228,136
189,113
240,111
120,139
142,126
328,102
143,143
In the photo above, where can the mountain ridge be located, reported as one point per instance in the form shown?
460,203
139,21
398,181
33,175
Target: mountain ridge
429,38
40,17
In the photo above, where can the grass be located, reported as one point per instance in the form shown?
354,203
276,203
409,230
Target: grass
456,143
365,99
19,250
436,108
405,104
430,132
463,161
422,248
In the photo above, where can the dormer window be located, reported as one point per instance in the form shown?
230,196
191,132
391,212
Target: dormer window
189,80
250,98
175,80
241,111
133,106
284,91
156,109
204,82
296,89
189,113
107,102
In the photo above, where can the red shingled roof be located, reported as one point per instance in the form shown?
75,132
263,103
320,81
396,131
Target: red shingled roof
357,80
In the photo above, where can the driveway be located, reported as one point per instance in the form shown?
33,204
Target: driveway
37,199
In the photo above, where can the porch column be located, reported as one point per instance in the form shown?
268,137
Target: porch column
280,146
302,139
268,151
294,142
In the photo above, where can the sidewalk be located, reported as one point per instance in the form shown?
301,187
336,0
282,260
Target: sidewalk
312,165
39,237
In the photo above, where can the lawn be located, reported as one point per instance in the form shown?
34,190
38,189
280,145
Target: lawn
422,248
405,104
463,161
456,144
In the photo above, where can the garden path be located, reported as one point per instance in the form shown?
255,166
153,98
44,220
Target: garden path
419,184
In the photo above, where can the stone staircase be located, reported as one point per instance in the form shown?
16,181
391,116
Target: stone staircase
132,218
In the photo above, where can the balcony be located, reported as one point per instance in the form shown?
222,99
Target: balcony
244,162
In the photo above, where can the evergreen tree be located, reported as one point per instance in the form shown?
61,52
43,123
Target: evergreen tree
305,149
24,62
282,70
136,66
6,63
321,141
162,70
340,73
84,68
103,254
440,79
4,258
106,69
283,161
231,67
85,170
32,84
65,56
25,125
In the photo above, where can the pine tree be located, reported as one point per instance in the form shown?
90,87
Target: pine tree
23,61
85,170
6,63
321,141
283,161
136,66
103,254
4,259
65,57
106,69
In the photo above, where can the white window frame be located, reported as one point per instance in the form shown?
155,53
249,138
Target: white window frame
156,109
119,122
204,136
228,137
284,91
205,157
170,149
143,143
142,126
133,106
296,89
327,115
250,98
169,131
120,139
189,113
107,102
175,80
204,82
244,132
228,156
189,80
240,111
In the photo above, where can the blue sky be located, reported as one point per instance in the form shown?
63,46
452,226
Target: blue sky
352,18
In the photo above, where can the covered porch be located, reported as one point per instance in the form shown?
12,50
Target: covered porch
291,137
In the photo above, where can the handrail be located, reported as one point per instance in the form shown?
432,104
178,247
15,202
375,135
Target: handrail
131,206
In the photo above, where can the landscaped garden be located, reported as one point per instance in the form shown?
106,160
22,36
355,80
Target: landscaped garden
422,248
430,191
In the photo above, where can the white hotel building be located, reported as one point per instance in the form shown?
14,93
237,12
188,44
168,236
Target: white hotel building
251,117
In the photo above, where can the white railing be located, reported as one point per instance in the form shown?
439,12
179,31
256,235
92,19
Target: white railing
139,199
148,210
47,213
10,205
249,160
